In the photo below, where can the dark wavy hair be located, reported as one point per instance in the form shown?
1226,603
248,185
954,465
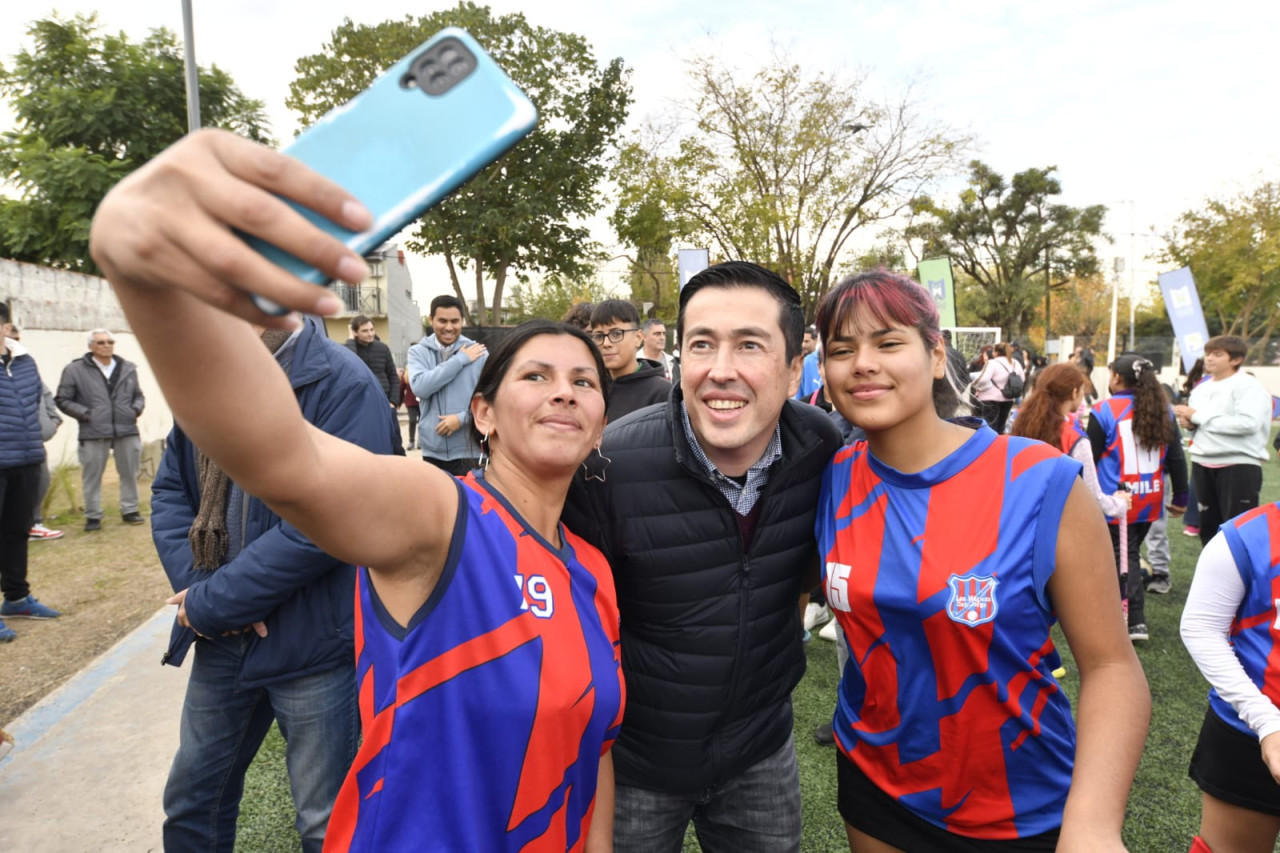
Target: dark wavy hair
1152,419
891,299
501,356
1040,416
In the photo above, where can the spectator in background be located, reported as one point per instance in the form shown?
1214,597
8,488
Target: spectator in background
50,420
100,390
410,406
21,457
443,369
637,382
810,375
377,357
270,616
655,345
1230,420
995,385
579,316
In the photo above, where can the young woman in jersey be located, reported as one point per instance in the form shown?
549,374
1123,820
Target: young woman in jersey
1136,442
949,551
1229,627
1049,415
486,633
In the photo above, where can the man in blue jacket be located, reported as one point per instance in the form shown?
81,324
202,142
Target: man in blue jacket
443,369
270,615
21,458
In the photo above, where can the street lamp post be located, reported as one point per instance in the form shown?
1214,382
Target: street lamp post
189,61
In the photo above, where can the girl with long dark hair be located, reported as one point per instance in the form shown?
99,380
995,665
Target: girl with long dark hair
1136,442
948,554
1049,414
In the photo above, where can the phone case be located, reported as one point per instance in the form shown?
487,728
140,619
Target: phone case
400,150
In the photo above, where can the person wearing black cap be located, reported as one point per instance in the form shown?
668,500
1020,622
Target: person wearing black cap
1136,441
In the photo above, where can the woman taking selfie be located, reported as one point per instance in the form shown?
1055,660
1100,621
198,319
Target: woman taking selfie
486,633
949,553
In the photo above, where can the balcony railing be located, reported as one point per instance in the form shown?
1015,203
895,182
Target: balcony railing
360,299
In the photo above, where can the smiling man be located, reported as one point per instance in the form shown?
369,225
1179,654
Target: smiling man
443,369
705,512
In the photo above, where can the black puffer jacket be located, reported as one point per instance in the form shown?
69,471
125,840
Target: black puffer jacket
378,357
710,636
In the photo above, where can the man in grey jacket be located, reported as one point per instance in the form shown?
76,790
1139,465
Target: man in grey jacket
443,369
100,390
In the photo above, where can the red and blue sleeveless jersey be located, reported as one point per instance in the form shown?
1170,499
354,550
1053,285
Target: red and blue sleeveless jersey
1254,540
1128,462
485,718
948,702
1072,432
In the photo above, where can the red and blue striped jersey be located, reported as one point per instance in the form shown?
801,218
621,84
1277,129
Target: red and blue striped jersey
1127,461
485,718
948,702
1072,433
1254,540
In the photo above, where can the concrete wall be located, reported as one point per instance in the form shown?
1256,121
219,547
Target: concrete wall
56,310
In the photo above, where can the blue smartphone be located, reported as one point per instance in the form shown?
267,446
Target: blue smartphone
429,123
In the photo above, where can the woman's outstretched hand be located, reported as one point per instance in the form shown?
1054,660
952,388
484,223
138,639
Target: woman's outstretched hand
170,225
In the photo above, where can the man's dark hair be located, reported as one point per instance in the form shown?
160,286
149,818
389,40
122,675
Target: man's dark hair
1234,347
650,323
500,358
747,274
358,321
4,311
446,301
615,311
811,331
579,316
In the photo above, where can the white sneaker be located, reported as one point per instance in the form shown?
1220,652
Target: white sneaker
39,531
828,631
815,614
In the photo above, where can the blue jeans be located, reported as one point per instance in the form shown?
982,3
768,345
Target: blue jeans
222,728
756,812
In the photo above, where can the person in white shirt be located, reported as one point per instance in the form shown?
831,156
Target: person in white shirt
1229,627
990,387
1231,421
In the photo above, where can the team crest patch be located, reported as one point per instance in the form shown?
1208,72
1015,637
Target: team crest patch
973,599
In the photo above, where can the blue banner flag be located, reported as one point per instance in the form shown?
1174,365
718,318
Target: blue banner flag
1183,304
935,275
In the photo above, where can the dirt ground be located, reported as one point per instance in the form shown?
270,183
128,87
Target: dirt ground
105,583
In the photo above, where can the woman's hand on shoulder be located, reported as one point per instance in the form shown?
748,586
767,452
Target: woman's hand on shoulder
173,223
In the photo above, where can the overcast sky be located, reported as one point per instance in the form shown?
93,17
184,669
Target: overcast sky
1146,107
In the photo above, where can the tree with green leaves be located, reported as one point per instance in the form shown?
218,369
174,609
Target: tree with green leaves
781,167
551,297
524,213
1003,233
90,108
1233,248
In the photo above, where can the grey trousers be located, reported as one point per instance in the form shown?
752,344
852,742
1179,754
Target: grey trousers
93,461
1158,547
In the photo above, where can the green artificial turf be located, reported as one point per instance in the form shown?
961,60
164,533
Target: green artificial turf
1164,806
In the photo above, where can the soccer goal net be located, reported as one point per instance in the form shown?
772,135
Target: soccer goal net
971,339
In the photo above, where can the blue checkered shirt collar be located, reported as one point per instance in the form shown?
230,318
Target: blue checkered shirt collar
741,497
